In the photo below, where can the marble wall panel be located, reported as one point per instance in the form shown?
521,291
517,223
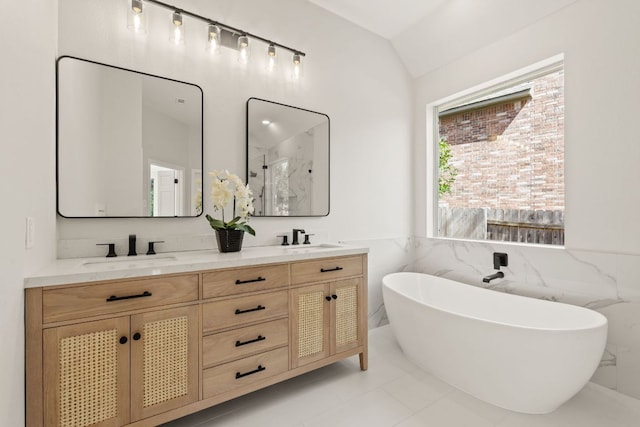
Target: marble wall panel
606,282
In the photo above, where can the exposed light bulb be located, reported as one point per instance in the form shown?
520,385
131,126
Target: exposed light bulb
135,17
177,36
214,34
266,122
271,57
136,6
243,49
297,66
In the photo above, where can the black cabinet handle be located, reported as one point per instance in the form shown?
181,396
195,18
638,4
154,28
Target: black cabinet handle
260,338
259,279
328,298
142,295
334,296
326,270
260,307
260,368
137,336
123,340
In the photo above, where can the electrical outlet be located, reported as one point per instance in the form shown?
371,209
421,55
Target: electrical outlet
30,231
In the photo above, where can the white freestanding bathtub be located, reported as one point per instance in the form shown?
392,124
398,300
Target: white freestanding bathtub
523,354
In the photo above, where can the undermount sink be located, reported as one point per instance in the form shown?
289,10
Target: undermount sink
312,246
135,260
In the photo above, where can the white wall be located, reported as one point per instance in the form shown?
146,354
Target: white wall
600,44
349,74
27,187
120,186
600,264
82,137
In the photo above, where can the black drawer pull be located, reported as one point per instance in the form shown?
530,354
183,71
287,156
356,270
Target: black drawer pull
326,270
260,338
328,298
242,282
142,295
255,371
260,307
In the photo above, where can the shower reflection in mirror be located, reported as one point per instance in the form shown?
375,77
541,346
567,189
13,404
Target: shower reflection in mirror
287,159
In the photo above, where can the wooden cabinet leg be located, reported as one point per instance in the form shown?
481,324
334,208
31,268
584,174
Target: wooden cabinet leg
364,361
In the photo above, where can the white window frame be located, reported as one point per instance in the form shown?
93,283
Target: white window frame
522,75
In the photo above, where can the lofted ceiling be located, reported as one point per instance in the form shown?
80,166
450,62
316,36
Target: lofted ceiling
428,34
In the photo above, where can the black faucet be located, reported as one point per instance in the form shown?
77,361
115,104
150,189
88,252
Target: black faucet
500,259
496,275
152,249
112,249
132,245
295,236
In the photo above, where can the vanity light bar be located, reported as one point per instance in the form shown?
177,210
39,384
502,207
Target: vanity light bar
237,33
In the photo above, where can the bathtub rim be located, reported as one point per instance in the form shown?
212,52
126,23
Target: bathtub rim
600,319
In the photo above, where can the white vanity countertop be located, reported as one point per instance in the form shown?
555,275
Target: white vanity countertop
79,270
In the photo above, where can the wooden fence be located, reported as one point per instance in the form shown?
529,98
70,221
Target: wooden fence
507,225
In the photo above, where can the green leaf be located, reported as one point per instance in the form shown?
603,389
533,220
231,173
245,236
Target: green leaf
216,224
246,228
447,172
233,222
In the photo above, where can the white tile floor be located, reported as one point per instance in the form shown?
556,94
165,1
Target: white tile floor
394,392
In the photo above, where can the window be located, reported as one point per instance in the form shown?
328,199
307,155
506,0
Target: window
501,161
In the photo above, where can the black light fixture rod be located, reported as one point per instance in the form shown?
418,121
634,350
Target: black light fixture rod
225,26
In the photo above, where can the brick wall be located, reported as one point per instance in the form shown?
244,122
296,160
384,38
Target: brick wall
510,155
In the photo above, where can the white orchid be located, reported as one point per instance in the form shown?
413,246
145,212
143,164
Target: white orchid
220,192
223,194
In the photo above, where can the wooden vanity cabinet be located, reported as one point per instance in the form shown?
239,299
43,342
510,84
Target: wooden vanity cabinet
164,360
141,352
113,352
109,372
245,336
327,318
86,374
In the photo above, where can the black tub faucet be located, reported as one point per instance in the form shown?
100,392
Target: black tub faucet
496,275
500,259
132,245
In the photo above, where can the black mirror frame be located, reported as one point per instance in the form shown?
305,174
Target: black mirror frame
328,158
58,142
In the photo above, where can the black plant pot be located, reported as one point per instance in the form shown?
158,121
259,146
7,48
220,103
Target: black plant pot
229,240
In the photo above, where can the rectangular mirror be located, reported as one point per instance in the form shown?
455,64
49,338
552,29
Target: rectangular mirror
129,144
287,159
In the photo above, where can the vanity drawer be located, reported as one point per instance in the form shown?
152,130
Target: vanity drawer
244,372
241,280
93,300
240,311
323,270
239,343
